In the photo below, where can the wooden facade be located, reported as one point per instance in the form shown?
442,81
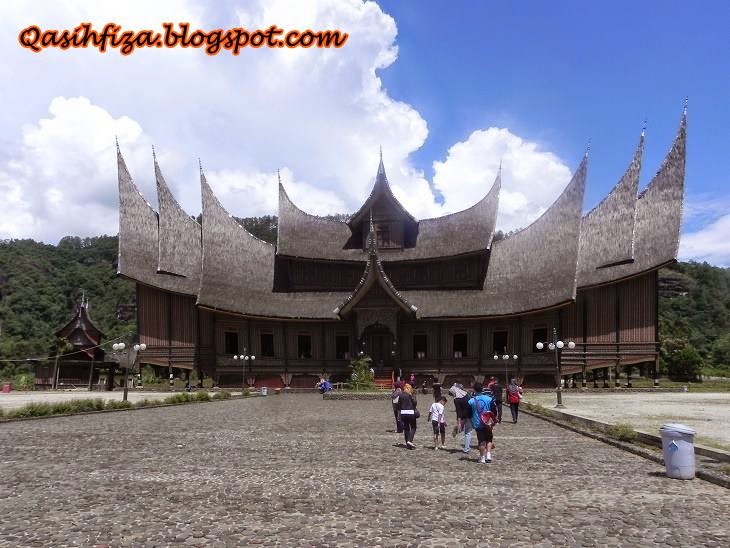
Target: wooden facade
437,297
612,325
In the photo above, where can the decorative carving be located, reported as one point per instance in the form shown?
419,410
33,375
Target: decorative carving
366,317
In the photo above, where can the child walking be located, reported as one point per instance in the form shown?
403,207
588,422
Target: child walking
438,422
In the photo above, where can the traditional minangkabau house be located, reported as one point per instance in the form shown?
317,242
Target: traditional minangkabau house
79,363
438,297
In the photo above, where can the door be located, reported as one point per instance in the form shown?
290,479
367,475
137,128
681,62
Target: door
379,346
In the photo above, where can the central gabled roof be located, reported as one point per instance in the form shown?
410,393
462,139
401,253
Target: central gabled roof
312,237
381,191
374,274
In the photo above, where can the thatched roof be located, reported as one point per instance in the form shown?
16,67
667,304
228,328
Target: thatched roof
238,271
179,240
138,247
607,231
536,268
529,270
313,237
658,214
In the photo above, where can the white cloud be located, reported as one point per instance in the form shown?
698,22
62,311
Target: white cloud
709,244
319,115
63,179
531,178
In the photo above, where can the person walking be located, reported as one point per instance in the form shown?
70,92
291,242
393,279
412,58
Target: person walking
482,407
514,395
397,391
437,412
408,414
463,414
496,390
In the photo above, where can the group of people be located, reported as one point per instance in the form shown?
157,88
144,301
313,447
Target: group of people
478,411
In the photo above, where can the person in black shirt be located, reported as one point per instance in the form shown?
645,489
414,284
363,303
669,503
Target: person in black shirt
496,389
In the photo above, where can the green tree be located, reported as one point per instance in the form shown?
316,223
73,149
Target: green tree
362,377
682,361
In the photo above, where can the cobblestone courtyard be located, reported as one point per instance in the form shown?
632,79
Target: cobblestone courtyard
296,469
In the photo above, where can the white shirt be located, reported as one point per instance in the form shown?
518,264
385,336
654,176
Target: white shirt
437,412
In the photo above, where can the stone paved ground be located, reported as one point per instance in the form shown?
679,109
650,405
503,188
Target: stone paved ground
707,412
297,470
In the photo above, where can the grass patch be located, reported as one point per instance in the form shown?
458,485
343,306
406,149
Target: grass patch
537,408
33,409
622,432
114,404
726,469
146,402
176,399
709,442
42,409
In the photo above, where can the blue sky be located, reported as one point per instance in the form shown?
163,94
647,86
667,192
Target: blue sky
447,88
561,73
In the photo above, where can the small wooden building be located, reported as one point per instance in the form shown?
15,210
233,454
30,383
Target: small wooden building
438,297
79,365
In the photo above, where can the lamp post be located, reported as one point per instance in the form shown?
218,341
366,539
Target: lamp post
245,360
557,346
126,358
506,358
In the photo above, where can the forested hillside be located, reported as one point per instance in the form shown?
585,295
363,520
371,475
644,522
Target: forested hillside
40,284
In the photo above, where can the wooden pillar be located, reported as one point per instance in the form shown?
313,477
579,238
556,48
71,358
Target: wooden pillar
480,326
110,377
657,343
519,349
617,374
321,349
605,377
629,369
91,373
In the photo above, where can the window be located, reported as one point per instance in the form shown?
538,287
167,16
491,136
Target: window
304,346
387,236
231,342
460,344
383,236
539,335
499,342
267,345
342,347
420,345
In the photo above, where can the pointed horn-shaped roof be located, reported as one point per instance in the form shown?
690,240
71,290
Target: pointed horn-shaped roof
535,267
138,225
471,229
237,267
607,231
374,273
179,239
659,212
303,235
381,190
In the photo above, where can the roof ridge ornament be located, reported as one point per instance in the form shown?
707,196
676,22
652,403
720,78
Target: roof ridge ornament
686,104
154,155
381,176
643,128
116,141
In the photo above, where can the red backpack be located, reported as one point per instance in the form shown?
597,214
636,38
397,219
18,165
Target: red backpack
486,416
